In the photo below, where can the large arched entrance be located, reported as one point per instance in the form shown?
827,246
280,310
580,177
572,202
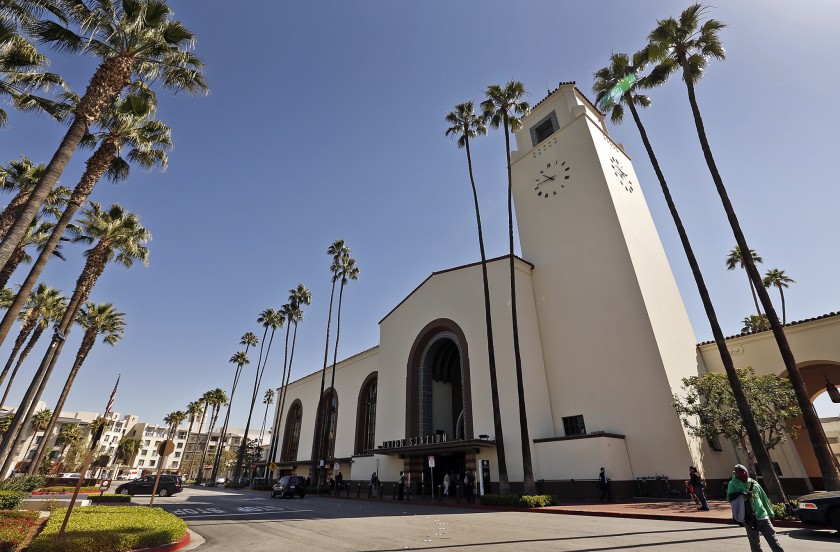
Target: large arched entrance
817,375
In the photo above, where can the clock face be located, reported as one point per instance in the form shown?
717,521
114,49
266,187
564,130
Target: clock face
552,177
623,177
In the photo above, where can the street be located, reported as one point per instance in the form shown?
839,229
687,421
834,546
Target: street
246,520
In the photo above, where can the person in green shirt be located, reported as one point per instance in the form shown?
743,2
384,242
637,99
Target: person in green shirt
742,484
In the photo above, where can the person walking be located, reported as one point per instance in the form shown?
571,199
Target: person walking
469,482
338,479
374,483
446,485
401,487
758,505
604,485
699,485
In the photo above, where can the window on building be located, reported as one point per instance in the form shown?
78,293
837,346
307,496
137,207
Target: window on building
177,455
326,426
573,425
366,424
151,463
174,464
179,445
40,438
141,463
291,437
546,127
833,440
143,452
182,435
147,442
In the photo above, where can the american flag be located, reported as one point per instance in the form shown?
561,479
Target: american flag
113,394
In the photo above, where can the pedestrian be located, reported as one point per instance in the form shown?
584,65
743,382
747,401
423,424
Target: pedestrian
604,486
374,481
338,479
759,509
446,485
469,481
697,482
401,486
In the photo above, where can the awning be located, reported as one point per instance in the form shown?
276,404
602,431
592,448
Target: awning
430,448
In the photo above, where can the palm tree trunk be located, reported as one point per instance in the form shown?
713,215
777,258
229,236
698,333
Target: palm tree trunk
11,212
781,294
501,459
192,455
825,458
36,335
755,297
110,78
11,266
223,436
97,165
265,419
87,344
317,443
771,480
275,431
200,476
528,475
26,328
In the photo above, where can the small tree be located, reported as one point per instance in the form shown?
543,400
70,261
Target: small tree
755,323
708,408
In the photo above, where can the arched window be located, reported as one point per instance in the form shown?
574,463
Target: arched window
291,437
366,416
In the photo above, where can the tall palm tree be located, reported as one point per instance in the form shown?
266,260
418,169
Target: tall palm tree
133,39
127,125
126,449
37,234
174,421
119,237
69,435
777,278
466,125
687,44
736,259
50,310
268,400
269,318
293,311
240,359
336,250
288,313
195,410
215,399
40,422
19,176
96,319
503,108
41,298
617,86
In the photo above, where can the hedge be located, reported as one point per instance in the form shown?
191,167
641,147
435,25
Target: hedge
14,526
109,529
109,498
516,501
25,483
59,489
10,500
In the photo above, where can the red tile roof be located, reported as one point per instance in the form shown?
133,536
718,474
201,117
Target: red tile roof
742,334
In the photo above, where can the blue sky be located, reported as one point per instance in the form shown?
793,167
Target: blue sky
325,121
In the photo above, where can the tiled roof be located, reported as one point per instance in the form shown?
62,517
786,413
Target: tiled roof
582,95
742,334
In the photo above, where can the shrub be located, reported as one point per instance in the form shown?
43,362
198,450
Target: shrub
10,500
25,483
109,529
14,526
781,511
110,498
67,489
516,501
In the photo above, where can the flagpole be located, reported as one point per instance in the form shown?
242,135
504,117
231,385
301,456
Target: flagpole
86,465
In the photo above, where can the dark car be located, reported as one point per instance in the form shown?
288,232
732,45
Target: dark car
821,508
167,486
288,486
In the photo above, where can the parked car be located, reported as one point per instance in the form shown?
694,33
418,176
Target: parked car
168,485
221,480
69,475
821,508
288,486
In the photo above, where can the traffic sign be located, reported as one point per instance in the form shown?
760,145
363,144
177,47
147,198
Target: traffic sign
103,486
165,448
272,466
431,461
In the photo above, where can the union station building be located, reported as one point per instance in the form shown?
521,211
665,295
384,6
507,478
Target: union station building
604,336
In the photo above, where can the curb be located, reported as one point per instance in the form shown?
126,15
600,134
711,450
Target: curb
185,540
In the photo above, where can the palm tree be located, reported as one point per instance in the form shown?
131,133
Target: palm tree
50,311
336,250
214,399
69,435
19,176
239,359
736,259
616,86
688,44
126,449
504,107
753,324
37,234
42,298
96,319
293,311
269,318
777,278
174,421
195,409
119,237
40,422
128,124
21,65
465,125
268,400
134,39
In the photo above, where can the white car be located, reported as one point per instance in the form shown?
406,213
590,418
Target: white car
221,480
69,475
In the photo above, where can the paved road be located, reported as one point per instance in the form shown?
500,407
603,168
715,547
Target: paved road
253,522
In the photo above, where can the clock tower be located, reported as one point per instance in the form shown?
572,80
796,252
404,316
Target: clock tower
616,339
